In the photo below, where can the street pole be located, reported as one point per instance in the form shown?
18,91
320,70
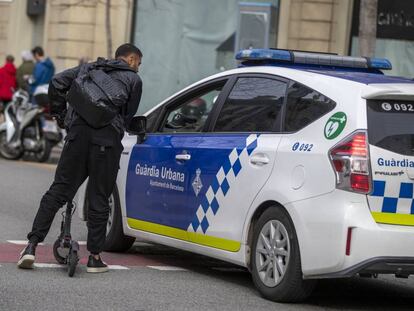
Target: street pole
367,27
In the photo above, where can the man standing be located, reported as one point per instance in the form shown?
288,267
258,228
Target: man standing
7,80
43,70
88,152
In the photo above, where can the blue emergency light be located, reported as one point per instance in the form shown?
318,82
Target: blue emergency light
253,57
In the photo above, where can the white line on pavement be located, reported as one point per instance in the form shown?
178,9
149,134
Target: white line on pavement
20,242
54,265
117,267
167,268
48,265
24,242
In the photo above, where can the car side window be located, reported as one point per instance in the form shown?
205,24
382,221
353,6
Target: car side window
253,105
304,106
192,114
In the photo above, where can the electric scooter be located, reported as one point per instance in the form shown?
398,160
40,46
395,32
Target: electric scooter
66,250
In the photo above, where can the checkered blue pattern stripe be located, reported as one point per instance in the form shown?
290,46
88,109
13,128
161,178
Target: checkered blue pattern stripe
220,187
393,199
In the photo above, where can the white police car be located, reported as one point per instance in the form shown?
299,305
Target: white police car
299,166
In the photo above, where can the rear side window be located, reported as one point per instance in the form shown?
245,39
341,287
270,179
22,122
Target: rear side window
391,125
304,106
253,105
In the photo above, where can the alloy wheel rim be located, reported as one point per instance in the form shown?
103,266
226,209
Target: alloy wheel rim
272,253
111,203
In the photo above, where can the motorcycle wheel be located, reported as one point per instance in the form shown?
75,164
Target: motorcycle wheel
44,154
6,152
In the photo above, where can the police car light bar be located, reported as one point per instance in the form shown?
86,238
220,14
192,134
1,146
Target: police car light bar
275,56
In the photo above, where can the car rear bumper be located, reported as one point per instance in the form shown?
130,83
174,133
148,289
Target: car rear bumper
322,225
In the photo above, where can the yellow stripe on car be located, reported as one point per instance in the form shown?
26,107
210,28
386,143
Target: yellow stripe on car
394,219
194,237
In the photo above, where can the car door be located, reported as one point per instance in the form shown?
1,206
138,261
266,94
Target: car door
158,181
234,159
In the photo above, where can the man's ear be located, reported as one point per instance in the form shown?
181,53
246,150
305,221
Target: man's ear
131,59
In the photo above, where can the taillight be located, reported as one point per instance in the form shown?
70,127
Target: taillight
350,160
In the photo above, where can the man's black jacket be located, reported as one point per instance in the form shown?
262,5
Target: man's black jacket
60,85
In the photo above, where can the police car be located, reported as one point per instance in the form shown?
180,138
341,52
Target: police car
298,166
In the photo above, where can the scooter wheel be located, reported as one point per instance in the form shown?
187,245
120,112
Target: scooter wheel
59,258
73,259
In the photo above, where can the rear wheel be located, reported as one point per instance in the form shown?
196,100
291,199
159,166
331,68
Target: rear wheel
116,241
7,152
58,252
44,154
275,257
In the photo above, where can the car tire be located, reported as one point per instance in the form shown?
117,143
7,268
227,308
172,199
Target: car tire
115,240
282,253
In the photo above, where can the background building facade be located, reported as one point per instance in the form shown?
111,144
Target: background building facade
67,29
186,40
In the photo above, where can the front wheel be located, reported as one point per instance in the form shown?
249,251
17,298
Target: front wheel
7,152
275,258
115,240
73,259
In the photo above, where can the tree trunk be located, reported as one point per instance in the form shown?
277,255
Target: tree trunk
367,27
108,28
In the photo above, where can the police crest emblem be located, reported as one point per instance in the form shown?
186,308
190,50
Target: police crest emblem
197,183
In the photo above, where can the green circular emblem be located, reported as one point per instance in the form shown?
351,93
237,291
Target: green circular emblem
335,125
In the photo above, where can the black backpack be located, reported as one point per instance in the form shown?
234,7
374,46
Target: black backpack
95,96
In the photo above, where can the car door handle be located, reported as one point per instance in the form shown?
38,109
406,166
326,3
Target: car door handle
183,157
259,159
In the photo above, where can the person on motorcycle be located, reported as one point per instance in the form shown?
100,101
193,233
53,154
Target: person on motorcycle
25,70
88,152
43,71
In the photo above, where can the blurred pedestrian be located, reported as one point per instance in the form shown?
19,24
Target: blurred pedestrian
7,80
83,60
43,70
25,70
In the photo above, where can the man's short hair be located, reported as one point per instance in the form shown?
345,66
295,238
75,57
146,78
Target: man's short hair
10,58
38,50
127,49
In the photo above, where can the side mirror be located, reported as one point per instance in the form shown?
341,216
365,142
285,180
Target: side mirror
137,126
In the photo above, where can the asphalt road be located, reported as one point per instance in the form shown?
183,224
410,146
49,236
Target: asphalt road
148,277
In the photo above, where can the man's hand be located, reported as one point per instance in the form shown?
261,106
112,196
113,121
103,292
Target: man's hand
60,119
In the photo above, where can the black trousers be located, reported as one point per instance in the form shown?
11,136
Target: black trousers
87,152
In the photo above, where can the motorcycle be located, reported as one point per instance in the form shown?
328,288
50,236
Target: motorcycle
28,128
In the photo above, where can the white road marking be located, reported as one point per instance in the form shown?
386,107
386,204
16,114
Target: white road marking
54,265
82,242
167,268
20,242
117,267
48,265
